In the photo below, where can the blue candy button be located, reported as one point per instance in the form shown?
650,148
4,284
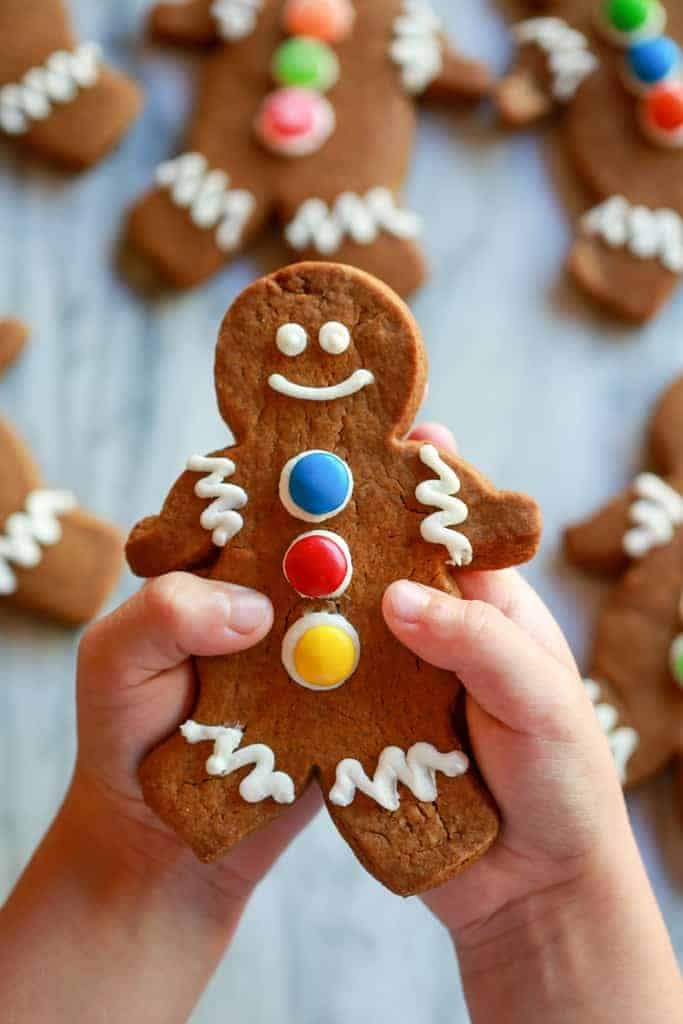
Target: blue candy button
315,486
653,60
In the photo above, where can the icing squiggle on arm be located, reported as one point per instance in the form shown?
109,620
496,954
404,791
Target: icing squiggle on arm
417,47
656,513
623,740
263,782
569,59
221,517
416,770
27,532
359,217
441,494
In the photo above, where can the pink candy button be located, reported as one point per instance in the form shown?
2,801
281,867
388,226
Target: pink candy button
294,122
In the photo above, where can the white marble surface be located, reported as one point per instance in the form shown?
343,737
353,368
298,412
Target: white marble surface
115,391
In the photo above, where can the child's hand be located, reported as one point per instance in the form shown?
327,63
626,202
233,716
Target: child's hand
135,685
558,917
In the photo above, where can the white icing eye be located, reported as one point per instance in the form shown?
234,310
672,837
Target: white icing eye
291,339
334,338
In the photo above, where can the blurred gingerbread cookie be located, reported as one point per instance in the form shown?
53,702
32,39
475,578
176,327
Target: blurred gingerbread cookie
306,116
57,96
13,335
55,559
637,668
614,71
320,370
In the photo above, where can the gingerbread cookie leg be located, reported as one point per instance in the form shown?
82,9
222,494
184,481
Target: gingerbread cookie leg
460,78
58,98
370,230
628,258
13,335
195,220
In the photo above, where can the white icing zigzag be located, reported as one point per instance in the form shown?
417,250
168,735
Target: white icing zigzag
569,58
58,80
362,218
221,516
262,782
647,234
236,18
441,494
416,47
208,197
416,770
26,532
657,512
623,740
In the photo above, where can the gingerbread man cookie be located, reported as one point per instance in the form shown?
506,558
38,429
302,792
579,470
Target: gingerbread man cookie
306,116
637,670
13,335
614,70
55,559
320,370
57,97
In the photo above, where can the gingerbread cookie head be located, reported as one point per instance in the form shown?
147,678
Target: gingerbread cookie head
614,71
290,90
321,505
57,96
637,669
55,559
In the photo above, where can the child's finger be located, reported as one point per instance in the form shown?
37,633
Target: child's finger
509,676
519,602
436,434
170,619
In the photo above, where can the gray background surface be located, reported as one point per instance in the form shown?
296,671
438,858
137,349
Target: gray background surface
115,392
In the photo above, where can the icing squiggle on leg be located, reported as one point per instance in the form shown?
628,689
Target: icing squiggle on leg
416,770
263,782
26,533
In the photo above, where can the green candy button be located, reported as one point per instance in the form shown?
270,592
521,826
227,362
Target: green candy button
306,64
676,660
628,15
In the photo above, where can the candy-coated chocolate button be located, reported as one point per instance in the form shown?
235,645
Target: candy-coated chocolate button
294,122
653,61
628,15
676,660
315,486
318,565
328,20
662,114
321,651
307,64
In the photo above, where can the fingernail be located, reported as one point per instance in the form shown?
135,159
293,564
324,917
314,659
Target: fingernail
246,610
408,601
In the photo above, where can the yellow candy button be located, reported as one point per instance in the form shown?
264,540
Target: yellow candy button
321,651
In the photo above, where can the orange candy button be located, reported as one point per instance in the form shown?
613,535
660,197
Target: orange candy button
328,20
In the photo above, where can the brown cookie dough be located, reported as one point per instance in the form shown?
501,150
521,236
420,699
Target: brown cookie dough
57,97
13,335
628,255
320,371
637,666
55,559
341,199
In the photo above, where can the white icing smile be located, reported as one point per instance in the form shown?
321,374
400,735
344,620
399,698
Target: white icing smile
356,382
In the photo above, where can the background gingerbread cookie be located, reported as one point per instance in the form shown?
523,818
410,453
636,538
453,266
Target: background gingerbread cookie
57,97
614,70
307,116
55,559
320,370
13,335
637,669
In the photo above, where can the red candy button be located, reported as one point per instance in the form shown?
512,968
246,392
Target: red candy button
664,107
318,564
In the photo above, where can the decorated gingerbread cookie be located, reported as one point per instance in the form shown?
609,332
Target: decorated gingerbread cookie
320,370
306,117
13,335
57,96
55,559
613,69
637,669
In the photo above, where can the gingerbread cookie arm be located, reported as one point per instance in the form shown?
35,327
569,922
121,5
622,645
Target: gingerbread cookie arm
460,78
477,525
199,518
13,335
597,544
